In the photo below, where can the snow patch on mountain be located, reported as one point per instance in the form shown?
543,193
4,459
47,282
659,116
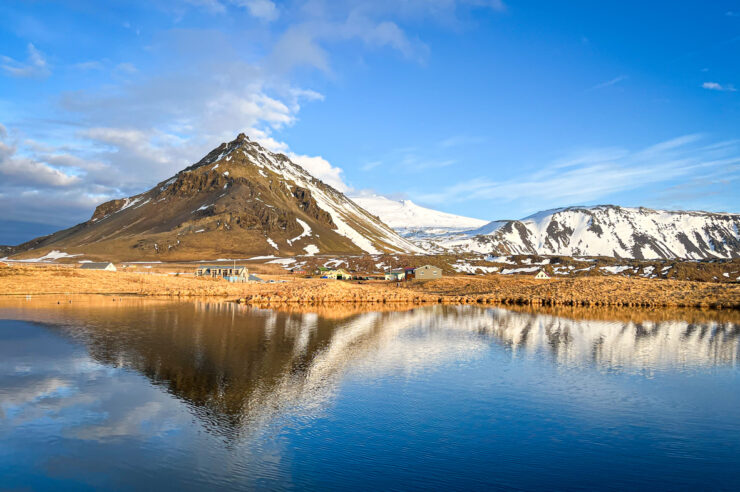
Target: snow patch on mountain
604,230
406,217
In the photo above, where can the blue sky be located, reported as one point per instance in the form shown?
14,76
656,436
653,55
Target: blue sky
493,109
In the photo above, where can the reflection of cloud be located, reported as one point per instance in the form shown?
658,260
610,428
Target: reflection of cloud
241,370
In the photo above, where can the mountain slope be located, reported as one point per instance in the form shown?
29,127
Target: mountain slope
238,200
607,230
408,218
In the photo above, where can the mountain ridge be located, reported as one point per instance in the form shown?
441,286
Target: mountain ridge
242,200
606,230
239,199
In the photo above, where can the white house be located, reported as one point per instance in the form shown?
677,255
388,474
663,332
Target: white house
541,275
107,266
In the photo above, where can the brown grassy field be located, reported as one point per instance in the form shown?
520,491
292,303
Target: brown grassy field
491,289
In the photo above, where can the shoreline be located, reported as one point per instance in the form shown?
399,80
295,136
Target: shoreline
510,290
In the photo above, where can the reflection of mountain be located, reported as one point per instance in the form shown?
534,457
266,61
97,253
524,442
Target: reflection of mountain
239,367
618,345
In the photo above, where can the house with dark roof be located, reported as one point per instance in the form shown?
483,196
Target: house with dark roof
231,273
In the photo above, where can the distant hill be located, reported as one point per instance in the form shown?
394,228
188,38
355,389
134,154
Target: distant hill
408,218
242,200
239,200
605,230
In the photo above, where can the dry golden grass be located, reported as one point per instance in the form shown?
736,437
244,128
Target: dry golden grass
585,291
493,289
59,279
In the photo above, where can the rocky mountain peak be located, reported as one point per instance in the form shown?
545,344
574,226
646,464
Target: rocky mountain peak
238,200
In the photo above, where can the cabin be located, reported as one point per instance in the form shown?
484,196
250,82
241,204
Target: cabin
541,275
230,273
337,274
104,265
427,272
395,275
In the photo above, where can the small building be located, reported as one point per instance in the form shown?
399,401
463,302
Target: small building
255,278
230,273
410,273
106,266
541,275
395,275
427,272
337,274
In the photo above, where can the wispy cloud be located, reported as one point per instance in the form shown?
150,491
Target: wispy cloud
35,64
369,166
599,173
261,9
88,65
714,86
609,83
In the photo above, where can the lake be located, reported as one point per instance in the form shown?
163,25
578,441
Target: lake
119,394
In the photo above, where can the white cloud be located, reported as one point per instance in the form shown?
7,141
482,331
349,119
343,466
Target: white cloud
210,5
34,66
369,166
262,9
714,86
20,170
377,24
609,83
88,65
321,169
596,174
206,86
126,68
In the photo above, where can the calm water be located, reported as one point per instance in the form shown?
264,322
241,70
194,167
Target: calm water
99,394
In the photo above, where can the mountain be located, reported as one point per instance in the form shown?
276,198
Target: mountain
423,226
239,200
606,230
406,217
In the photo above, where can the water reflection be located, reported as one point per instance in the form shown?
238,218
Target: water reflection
240,366
105,370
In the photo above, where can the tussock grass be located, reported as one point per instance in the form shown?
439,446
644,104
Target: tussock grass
492,289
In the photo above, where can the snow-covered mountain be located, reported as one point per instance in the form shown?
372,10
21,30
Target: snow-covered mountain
606,230
239,200
408,218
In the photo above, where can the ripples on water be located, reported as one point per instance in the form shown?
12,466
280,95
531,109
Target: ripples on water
116,395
